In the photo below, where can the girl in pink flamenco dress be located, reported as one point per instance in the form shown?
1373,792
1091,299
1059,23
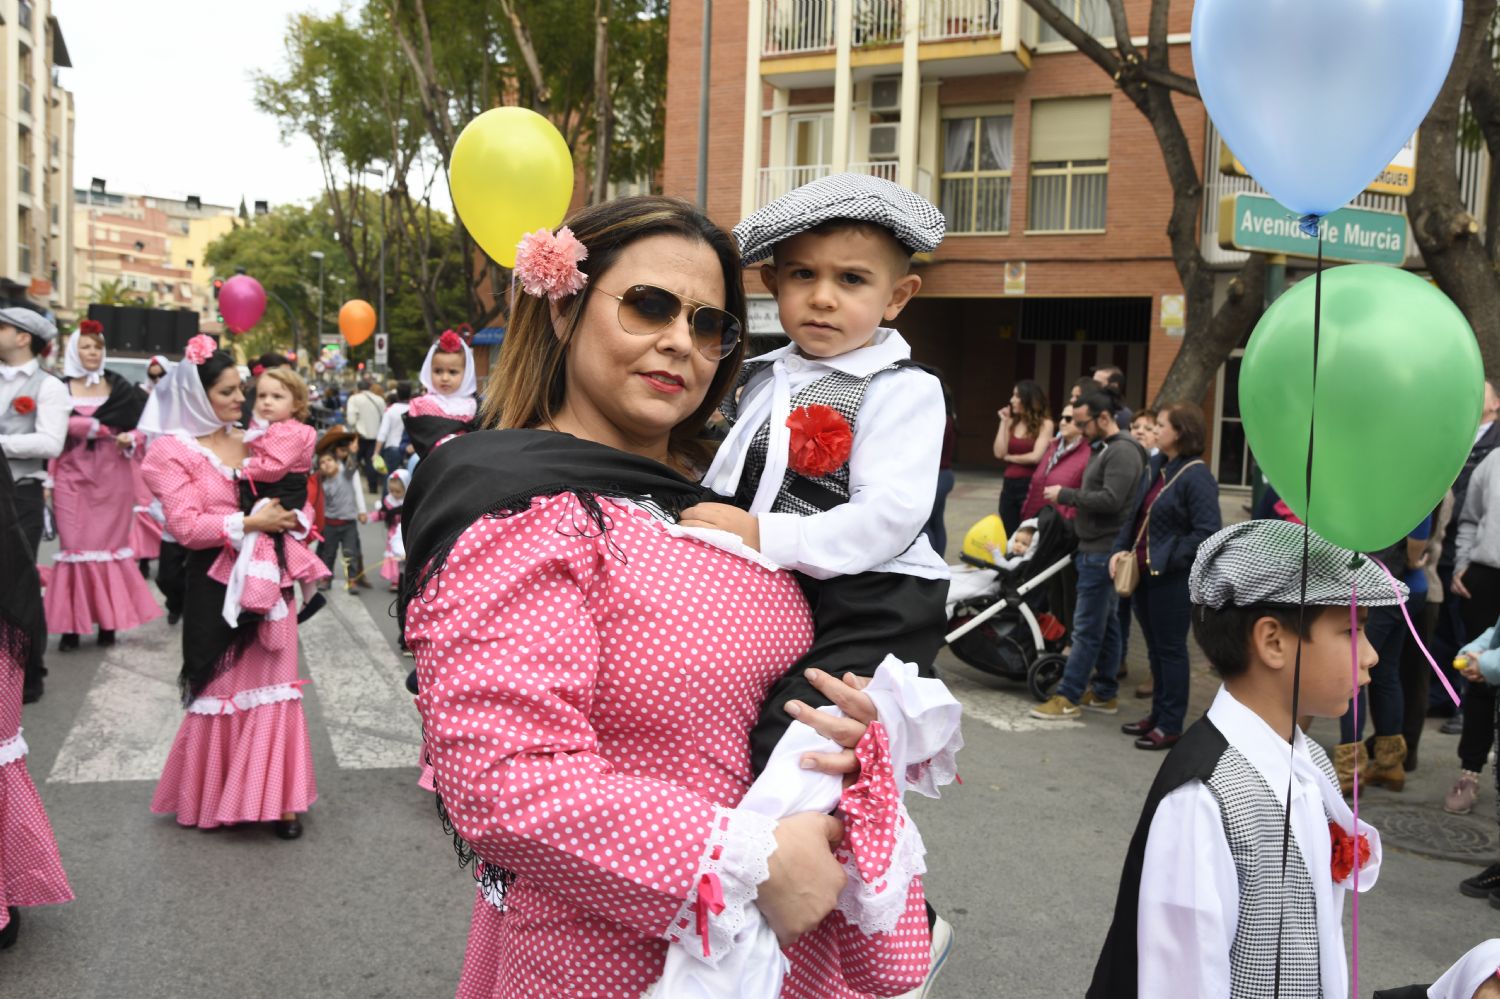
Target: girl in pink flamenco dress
96,581
390,512
280,450
30,871
448,408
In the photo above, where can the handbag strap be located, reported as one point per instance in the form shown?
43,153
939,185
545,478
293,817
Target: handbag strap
1146,520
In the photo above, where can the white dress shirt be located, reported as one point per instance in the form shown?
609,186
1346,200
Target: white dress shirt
52,410
1188,907
893,467
391,426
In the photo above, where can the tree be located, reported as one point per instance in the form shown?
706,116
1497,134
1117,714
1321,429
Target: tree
1149,81
112,292
1460,257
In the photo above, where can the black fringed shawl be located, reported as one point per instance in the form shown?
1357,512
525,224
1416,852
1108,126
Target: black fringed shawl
495,473
23,625
121,409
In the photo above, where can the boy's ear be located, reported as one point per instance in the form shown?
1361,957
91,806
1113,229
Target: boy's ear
768,278
903,292
1272,643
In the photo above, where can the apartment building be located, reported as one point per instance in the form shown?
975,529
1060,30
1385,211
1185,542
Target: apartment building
150,247
36,154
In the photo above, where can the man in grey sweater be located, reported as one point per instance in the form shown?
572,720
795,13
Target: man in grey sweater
1106,501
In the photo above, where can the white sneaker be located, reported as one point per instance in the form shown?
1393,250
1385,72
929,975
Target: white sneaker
942,946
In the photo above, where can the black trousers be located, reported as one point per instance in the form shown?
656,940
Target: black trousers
857,622
171,575
345,536
29,512
367,464
1480,611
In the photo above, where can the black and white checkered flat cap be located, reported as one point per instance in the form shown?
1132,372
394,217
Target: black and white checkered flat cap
912,219
1260,562
28,321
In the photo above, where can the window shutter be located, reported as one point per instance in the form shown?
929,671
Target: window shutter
1074,128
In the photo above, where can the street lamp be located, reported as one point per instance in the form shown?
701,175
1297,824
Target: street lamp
380,316
318,256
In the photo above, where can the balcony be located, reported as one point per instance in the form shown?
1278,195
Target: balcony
795,27
777,181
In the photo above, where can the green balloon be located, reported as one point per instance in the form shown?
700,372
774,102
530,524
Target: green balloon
1399,393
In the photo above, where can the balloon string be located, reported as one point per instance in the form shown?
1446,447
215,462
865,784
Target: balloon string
1442,677
1286,819
1354,667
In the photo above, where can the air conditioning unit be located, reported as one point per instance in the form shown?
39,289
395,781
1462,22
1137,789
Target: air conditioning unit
885,94
885,141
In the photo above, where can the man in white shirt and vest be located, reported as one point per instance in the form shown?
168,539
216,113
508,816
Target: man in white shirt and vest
34,410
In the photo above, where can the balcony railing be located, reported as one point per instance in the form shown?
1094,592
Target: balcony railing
797,26
948,19
776,181
887,169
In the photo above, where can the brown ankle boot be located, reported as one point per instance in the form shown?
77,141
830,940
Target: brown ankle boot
1347,756
1387,770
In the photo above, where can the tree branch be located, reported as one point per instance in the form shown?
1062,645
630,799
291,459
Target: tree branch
1156,34
528,54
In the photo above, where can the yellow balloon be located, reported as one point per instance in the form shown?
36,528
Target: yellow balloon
510,174
986,540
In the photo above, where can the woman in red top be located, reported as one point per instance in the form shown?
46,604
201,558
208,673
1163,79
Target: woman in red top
1025,432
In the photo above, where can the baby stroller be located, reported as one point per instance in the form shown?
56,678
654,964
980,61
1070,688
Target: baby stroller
993,616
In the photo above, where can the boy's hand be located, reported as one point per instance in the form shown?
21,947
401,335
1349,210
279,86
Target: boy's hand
723,517
364,518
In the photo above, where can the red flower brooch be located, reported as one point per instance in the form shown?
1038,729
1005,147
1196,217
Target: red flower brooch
24,404
821,441
1343,852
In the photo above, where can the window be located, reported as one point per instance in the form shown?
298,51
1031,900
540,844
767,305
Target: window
977,156
1069,165
1090,15
23,13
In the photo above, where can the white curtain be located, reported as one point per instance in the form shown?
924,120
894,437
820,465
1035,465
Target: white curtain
958,152
998,147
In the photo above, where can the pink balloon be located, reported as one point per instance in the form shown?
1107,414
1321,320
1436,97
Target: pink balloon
242,301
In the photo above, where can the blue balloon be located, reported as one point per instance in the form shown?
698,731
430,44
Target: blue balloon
1316,97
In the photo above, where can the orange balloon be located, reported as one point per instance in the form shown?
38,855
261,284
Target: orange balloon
357,321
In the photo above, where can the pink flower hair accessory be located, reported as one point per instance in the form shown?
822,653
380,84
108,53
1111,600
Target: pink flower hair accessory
547,263
450,343
200,348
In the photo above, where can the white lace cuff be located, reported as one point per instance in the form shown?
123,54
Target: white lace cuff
735,861
234,529
922,719
876,907
244,700
12,749
300,533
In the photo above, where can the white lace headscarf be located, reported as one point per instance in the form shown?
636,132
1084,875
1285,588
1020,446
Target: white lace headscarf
73,361
180,404
466,388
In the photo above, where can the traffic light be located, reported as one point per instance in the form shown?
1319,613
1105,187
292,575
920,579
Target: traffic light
218,285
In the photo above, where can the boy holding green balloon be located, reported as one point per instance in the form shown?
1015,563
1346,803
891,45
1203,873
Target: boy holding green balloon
1209,904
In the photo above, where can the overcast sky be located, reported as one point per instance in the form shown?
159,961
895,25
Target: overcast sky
164,98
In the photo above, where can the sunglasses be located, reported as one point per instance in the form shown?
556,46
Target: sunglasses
646,310
1065,419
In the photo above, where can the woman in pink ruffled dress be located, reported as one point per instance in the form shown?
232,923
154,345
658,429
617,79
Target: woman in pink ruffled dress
96,580
30,871
242,753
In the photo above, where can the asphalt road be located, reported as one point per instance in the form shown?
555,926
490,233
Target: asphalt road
1024,856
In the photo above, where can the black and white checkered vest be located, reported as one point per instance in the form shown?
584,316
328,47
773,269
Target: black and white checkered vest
1252,814
799,494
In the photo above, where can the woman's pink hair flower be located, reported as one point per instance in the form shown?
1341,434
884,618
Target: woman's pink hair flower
450,343
547,263
200,348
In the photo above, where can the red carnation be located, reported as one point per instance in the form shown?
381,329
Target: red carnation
821,441
449,343
1343,852
24,404
91,327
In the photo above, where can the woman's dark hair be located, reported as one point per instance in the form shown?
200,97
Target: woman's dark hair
210,370
270,359
403,391
527,389
1033,405
1192,431
1224,635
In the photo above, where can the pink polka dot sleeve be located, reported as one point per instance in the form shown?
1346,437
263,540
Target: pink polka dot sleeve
509,652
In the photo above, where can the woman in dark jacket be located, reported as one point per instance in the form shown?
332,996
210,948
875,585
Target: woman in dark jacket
1179,508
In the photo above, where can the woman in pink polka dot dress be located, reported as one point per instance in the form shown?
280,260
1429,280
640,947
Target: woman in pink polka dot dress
242,753
30,871
590,672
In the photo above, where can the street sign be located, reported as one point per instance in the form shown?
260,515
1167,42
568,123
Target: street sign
763,317
1258,223
382,346
1399,178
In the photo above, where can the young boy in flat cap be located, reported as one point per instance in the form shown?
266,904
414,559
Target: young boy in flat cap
831,466
1203,891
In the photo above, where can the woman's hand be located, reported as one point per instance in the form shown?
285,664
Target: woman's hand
1115,561
848,694
272,518
805,878
125,441
1458,584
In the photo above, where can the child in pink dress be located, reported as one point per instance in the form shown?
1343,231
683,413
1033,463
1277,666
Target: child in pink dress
448,408
390,512
280,450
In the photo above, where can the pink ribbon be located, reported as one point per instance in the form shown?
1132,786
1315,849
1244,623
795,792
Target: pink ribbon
710,900
1354,666
871,805
1418,638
